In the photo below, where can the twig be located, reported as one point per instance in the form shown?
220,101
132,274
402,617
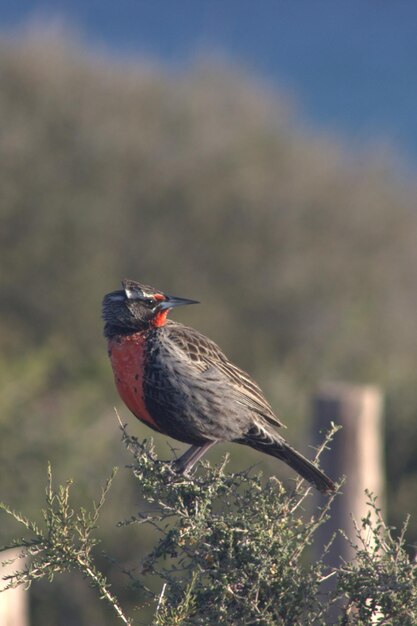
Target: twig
161,595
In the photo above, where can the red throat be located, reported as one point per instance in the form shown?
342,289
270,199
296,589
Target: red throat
160,318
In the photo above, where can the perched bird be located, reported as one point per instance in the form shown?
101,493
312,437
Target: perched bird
179,382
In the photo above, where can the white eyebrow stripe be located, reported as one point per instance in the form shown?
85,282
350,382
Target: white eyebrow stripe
134,294
130,293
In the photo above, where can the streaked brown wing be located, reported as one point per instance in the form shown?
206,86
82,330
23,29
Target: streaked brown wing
206,355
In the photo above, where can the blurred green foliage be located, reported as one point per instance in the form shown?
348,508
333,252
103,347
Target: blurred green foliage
200,183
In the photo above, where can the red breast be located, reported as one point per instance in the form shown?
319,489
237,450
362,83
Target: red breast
127,354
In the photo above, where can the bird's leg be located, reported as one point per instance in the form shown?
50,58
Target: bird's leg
186,462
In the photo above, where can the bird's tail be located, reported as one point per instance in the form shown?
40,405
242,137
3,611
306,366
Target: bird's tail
281,450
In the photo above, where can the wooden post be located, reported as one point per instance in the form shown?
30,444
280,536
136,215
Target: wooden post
356,452
14,605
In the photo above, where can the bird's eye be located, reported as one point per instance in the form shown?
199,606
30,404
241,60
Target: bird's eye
150,300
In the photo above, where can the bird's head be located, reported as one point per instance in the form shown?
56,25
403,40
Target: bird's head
137,307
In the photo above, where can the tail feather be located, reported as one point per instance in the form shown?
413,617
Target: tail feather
281,450
307,470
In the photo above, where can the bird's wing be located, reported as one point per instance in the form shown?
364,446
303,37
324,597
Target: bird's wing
206,356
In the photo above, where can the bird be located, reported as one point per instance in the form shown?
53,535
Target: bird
179,383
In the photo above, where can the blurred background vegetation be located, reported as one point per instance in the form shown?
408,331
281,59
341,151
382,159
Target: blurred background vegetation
302,252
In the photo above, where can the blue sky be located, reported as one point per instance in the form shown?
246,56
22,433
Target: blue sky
351,64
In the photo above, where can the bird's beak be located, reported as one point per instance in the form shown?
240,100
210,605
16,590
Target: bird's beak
173,301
